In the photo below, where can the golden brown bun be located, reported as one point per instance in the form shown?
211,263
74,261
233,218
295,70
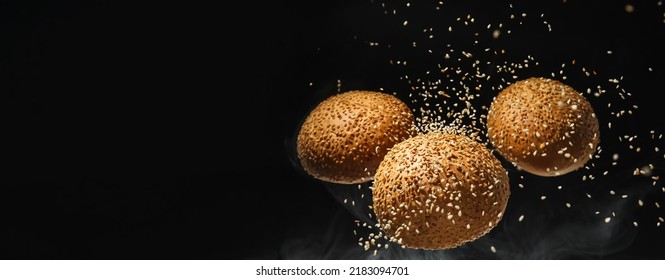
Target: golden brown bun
439,191
346,136
543,126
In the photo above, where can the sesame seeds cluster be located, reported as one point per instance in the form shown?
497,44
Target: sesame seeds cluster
462,74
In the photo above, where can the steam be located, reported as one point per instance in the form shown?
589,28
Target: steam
334,241
548,230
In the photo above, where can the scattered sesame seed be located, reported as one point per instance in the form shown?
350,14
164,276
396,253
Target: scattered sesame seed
469,81
630,8
496,33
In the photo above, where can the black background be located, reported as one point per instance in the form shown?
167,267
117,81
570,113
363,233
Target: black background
164,130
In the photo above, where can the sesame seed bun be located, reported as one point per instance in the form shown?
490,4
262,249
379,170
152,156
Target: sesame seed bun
346,136
439,191
543,126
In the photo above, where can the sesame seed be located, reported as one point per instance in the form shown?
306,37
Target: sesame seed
630,8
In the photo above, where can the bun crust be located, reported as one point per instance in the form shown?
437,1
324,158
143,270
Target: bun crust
438,191
543,126
346,136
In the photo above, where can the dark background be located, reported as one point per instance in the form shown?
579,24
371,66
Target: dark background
164,130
